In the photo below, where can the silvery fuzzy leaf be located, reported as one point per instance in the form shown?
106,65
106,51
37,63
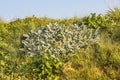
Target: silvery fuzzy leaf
39,31
42,42
25,35
30,49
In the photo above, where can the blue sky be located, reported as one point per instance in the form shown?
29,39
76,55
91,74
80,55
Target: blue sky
11,9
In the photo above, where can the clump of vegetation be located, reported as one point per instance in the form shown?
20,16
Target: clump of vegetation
101,21
56,40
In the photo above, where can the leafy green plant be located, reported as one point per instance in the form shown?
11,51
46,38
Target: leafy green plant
47,67
114,14
95,21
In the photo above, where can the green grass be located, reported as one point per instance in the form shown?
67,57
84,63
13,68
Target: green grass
99,62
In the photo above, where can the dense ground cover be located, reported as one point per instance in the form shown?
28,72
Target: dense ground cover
85,48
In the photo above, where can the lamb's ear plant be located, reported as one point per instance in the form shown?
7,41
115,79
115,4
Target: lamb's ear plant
57,40
52,43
